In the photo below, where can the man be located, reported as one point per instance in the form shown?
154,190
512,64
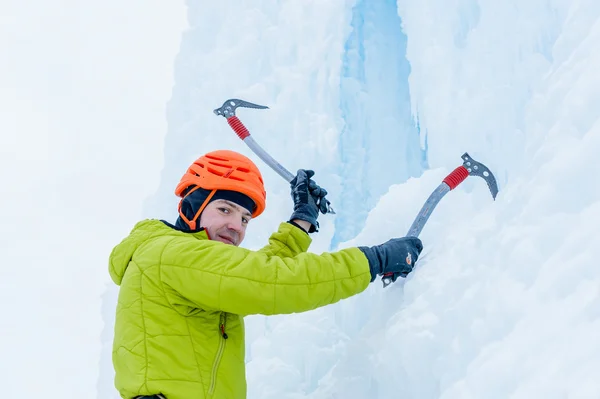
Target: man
179,331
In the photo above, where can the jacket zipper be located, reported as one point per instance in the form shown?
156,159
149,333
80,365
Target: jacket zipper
215,368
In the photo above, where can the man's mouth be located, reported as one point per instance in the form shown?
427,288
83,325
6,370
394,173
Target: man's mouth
226,240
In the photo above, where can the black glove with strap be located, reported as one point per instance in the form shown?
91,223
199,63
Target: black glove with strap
397,257
309,199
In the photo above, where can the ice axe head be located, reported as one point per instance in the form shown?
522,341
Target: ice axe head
475,168
228,108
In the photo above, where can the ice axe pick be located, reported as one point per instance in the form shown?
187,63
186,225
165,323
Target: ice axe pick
470,167
227,110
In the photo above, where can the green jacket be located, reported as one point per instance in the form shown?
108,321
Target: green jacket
179,329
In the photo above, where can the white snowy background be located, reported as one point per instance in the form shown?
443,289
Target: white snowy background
103,107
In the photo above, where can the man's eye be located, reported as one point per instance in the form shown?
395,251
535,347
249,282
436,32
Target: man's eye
245,220
224,210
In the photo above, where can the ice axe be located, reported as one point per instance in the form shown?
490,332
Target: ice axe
228,111
470,167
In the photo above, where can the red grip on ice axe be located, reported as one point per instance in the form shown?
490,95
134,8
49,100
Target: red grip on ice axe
238,127
457,176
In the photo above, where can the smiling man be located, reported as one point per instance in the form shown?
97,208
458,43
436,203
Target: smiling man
179,330
225,221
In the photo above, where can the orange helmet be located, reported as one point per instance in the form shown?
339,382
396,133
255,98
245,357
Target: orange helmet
223,170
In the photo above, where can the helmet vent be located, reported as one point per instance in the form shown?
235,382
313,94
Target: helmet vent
216,158
220,164
215,171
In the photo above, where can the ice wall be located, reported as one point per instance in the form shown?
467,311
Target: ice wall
379,143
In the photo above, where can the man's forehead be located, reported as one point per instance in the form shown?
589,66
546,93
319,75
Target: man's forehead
234,205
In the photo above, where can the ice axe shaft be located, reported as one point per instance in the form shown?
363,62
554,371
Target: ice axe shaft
228,111
470,167
243,133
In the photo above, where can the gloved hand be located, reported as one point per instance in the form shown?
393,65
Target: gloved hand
309,199
397,256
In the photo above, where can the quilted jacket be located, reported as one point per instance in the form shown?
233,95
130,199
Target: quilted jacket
179,327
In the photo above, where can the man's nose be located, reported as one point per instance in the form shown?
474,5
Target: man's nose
235,224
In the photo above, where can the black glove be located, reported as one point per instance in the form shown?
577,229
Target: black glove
309,199
397,256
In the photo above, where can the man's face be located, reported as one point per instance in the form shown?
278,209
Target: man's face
225,221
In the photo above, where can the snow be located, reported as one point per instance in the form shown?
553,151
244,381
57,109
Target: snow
82,100
381,100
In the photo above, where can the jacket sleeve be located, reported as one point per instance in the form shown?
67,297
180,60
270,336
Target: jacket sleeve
281,245
280,278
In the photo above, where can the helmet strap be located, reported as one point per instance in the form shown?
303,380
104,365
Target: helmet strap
192,223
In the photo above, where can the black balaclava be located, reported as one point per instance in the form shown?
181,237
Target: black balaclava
191,203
